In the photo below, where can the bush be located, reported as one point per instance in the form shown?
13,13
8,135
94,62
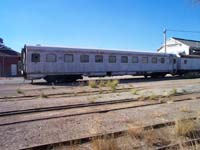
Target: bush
112,84
92,84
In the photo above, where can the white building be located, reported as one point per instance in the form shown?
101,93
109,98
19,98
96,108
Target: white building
180,46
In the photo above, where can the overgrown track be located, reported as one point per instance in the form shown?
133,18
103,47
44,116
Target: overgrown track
95,107
176,146
65,94
122,133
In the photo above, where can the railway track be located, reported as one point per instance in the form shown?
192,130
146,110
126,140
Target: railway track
31,115
79,93
65,94
124,132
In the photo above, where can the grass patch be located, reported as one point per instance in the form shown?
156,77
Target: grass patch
105,143
92,84
19,91
113,84
43,95
184,127
53,87
173,92
102,83
134,91
185,109
110,83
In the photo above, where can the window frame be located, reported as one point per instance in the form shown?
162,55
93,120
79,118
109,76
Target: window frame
52,55
124,59
162,60
174,61
68,55
32,57
112,56
185,61
154,60
83,60
97,60
145,58
135,58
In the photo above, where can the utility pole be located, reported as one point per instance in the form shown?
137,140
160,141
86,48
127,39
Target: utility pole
165,39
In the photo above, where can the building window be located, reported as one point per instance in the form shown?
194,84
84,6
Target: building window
51,58
98,58
145,60
112,59
68,58
154,60
185,61
134,59
35,57
162,60
84,58
124,59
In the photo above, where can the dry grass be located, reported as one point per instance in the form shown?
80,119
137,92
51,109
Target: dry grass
105,143
158,114
110,83
19,91
134,91
184,127
92,99
92,84
185,109
113,84
136,132
53,87
43,95
153,97
102,83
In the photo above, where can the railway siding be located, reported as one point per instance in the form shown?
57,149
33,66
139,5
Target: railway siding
70,128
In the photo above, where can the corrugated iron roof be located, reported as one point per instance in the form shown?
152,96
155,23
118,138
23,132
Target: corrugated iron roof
4,50
192,43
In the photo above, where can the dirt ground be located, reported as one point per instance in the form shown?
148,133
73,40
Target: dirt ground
133,102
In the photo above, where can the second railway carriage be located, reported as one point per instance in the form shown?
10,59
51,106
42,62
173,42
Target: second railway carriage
188,63
63,63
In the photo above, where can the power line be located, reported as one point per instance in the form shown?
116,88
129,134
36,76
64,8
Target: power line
186,31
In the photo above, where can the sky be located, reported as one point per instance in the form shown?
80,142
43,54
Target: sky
105,24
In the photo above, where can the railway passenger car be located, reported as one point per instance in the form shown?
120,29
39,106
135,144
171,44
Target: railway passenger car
188,63
63,63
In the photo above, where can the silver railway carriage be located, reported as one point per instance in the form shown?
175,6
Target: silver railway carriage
64,64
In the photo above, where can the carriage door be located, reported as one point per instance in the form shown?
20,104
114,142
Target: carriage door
174,64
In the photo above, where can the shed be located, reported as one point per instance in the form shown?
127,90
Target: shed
181,46
9,61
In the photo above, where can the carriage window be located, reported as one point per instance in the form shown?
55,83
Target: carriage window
145,60
84,58
174,61
35,57
124,59
51,58
154,60
69,58
185,61
134,59
98,58
162,60
112,59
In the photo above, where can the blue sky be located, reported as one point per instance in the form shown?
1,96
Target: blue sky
112,24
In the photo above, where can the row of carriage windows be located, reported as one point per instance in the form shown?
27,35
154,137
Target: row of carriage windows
69,58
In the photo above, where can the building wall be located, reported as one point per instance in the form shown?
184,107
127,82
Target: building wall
175,47
5,65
